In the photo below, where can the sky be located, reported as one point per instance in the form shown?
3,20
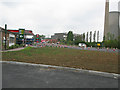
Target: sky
55,16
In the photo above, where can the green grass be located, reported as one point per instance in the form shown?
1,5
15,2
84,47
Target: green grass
91,60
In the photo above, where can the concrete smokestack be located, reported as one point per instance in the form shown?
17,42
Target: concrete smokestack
106,22
119,21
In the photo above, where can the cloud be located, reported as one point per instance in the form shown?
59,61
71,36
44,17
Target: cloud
51,16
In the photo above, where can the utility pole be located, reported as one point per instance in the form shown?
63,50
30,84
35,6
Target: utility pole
5,36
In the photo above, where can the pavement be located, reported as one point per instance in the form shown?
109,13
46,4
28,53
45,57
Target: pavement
25,76
16,49
96,49
72,47
80,48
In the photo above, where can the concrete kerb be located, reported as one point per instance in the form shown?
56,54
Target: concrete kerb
105,74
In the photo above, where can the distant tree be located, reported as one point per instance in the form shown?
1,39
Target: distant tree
98,36
110,36
87,37
111,43
83,36
94,36
58,39
119,42
90,36
78,39
70,36
42,36
70,42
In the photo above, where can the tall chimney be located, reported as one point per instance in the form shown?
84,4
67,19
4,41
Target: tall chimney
106,22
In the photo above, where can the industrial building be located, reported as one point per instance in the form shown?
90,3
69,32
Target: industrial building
114,24
59,36
111,24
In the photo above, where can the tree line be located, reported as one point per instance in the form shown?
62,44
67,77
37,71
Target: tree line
91,39
82,38
111,42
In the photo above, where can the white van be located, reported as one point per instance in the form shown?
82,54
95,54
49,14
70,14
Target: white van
82,45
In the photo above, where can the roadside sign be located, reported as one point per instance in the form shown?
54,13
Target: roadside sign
21,33
98,44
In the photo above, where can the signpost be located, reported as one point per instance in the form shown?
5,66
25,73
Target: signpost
21,35
37,38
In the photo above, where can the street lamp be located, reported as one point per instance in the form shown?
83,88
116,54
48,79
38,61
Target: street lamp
5,35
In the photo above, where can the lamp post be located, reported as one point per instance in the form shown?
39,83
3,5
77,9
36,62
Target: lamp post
5,36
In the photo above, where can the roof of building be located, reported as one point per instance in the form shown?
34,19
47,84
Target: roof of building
59,33
27,32
114,12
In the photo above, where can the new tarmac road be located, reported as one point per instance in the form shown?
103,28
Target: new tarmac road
23,76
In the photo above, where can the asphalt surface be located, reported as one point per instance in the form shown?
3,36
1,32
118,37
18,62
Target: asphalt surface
21,76
80,48
95,49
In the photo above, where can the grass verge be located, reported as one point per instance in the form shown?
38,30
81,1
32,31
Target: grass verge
84,59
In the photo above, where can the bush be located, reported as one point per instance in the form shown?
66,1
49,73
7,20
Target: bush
70,43
89,44
21,45
111,43
16,45
12,47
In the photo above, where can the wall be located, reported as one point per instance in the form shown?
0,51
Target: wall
3,40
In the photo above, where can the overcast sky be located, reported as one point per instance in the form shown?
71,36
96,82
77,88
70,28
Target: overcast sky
53,16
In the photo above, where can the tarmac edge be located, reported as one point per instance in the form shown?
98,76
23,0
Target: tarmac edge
105,74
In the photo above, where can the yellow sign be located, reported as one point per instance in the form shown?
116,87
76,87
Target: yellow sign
21,31
98,44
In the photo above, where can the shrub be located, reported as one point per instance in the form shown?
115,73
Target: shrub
70,43
21,45
10,47
16,45
111,43
13,46
7,47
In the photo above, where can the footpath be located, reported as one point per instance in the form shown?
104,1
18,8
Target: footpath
16,49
